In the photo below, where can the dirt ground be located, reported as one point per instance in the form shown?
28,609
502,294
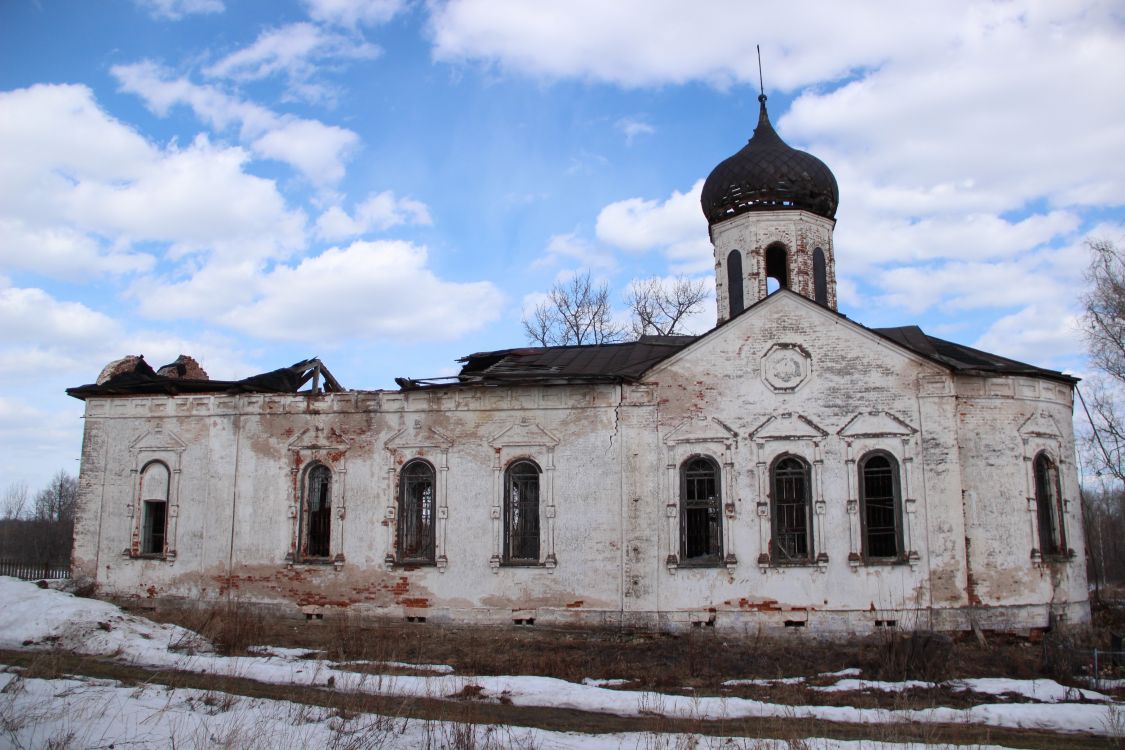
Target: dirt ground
697,663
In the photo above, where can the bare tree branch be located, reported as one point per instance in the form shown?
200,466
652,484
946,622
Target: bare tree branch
659,308
575,312
1105,336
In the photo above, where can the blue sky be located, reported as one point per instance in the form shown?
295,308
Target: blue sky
388,184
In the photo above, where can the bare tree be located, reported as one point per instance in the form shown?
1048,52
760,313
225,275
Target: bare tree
15,502
575,312
58,501
659,307
1105,336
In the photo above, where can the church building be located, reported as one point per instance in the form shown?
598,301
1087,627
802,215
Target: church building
788,469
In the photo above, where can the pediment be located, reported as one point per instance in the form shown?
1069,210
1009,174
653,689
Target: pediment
788,426
875,424
418,435
158,439
319,438
1040,424
702,430
523,433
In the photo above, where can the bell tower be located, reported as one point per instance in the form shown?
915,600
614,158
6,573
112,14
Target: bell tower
771,210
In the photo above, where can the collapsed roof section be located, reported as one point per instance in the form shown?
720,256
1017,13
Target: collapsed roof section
132,376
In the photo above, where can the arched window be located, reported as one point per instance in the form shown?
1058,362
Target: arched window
416,513
316,512
521,513
792,526
154,505
701,521
820,277
1048,505
881,507
734,282
777,267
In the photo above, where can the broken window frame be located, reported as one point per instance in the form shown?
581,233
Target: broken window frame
887,501
522,524
1051,533
317,479
416,526
153,502
788,468
701,503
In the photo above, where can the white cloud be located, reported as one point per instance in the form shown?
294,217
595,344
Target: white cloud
295,52
353,13
570,246
63,252
1044,334
656,42
633,127
367,290
174,10
879,240
676,226
316,150
81,189
380,211
33,316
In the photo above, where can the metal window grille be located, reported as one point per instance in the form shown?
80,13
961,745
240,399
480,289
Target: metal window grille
880,508
416,513
521,513
318,512
701,525
155,525
791,531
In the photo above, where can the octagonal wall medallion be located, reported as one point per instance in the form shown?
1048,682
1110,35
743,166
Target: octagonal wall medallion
786,367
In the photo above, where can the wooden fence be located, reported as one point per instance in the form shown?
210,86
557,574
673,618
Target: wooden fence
30,572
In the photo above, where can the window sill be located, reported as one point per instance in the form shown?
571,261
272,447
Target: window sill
549,563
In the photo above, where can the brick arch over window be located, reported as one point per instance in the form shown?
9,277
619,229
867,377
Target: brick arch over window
701,517
791,540
415,539
315,522
155,485
880,499
521,512
1048,507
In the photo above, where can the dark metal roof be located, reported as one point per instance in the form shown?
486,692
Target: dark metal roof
965,359
143,380
630,361
597,363
767,175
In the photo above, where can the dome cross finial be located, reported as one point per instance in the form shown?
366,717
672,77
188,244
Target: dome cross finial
761,82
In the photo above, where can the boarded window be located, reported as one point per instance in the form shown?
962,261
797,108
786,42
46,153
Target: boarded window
1048,504
881,507
154,500
792,532
416,513
316,515
735,283
521,513
701,523
820,277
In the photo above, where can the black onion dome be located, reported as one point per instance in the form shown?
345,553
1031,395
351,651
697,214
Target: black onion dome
767,175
